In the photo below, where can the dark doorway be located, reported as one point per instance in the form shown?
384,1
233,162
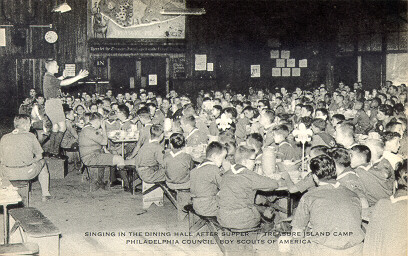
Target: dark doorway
345,69
153,75
121,70
371,70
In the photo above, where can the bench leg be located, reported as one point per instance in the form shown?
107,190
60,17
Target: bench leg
216,237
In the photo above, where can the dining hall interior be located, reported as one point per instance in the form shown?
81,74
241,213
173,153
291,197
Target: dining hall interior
203,127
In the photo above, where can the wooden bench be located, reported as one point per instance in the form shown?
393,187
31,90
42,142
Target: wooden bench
24,188
88,173
58,168
150,187
19,249
33,226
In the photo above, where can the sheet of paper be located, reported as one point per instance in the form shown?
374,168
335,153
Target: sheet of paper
274,54
153,79
200,62
255,70
210,66
295,71
285,54
285,71
291,63
70,69
2,37
276,72
280,63
303,63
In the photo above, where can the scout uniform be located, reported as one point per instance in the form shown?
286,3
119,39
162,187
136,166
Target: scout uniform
177,167
196,140
149,162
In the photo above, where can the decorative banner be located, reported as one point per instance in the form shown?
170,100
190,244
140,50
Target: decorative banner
2,37
285,54
280,63
70,69
291,63
255,70
285,71
210,66
276,72
200,62
295,71
303,63
153,79
274,54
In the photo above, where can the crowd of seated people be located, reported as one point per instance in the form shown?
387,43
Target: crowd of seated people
225,146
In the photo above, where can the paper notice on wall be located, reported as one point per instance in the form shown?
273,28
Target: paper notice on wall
210,66
276,72
290,63
70,69
274,54
285,54
153,79
2,37
200,62
280,63
295,71
303,63
255,70
285,71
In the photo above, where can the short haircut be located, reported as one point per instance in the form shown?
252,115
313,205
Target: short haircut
232,111
189,120
364,150
156,130
188,110
257,138
95,116
265,103
177,140
323,167
386,109
339,117
401,175
40,96
378,100
319,123
387,136
248,108
319,150
282,130
218,107
346,129
243,153
306,120
340,156
21,119
67,109
269,114
151,104
124,110
214,148
324,111
309,108
392,125
143,113
49,62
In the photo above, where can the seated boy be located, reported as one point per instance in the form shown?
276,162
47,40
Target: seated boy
320,137
149,160
255,141
361,120
91,149
238,189
391,147
331,209
266,119
195,139
387,230
144,125
375,172
205,180
70,138
177,164
284,150
21,156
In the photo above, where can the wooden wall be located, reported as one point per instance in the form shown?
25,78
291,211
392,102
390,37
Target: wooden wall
233,34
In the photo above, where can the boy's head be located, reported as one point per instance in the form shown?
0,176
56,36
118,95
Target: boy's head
152,108
177,141
318,150
323,168
95,120
359,155
69,114
51,66
123,112
144,116
344,131
391,141
318,125
384,111
216,110
376,147
307,110
321,113
255,141
249,112
267,117
337,118
280,133
156,132
245,156
40,99
358,105
216,152
22,122
340,156
401,176
187,123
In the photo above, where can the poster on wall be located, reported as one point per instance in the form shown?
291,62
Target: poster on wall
303,63
291,63
255,70
274,54
210,67
285,54
200,62
285,71
295,71
153,79
276,72
397,68
70,69
135,19
280,63
2,37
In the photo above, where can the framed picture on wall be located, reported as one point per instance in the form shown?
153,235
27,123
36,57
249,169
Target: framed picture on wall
255,70
276,72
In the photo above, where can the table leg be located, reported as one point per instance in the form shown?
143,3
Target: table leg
5,224
123,150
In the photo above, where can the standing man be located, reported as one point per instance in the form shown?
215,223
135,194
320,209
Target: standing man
53,104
